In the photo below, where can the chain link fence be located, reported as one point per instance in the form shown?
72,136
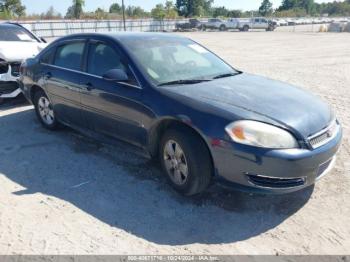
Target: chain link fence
58,28
65,27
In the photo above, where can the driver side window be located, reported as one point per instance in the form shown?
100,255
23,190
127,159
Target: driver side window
103,58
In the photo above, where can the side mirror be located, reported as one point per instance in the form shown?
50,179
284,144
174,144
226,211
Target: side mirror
116,75
43,40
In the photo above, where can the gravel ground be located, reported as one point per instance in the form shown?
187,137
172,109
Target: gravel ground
62,193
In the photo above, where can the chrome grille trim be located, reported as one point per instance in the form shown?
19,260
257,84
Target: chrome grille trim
324,136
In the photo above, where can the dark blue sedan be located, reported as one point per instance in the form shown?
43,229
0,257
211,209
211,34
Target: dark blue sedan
203,119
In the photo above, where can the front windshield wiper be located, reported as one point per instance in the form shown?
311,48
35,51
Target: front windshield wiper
185,82
226,75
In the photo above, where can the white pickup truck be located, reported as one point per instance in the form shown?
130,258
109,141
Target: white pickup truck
255,23
242,24
219,24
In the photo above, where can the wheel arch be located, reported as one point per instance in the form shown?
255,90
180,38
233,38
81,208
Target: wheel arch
34,89
160,127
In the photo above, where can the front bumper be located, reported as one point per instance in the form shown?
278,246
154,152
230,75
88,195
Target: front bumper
273,171
9,87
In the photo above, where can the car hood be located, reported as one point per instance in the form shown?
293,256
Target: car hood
279,102
17,51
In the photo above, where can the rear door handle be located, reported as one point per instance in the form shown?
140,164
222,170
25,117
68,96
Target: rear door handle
48,75
89,86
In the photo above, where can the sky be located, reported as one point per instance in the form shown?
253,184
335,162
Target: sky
39,6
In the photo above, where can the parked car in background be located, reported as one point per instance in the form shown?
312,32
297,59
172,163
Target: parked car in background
16,44
190,25
282,22
217,24
202,119
256,23
291,22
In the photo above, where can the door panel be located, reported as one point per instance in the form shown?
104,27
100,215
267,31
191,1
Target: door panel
63,78
64,87
112,108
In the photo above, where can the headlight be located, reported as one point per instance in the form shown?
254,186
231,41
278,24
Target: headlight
259,134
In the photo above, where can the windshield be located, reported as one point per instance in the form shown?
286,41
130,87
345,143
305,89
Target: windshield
15,34
167,60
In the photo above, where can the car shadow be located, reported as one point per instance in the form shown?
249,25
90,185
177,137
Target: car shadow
119,187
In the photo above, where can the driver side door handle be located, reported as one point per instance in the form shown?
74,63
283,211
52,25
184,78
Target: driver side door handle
88,86
47,76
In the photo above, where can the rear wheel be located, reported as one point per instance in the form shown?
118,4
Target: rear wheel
246,28
185,160
222,28
44,110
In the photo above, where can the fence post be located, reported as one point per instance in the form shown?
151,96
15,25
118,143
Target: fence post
67,28
33,28
51,27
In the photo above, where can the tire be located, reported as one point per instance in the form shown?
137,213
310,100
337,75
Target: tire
44,110
195,159
2,101
246,28
204,28
222,28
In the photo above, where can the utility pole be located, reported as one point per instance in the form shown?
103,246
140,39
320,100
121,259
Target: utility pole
123,7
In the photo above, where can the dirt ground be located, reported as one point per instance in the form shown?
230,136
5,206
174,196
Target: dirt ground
62,193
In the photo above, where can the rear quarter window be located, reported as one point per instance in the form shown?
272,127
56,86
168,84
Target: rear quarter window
47,57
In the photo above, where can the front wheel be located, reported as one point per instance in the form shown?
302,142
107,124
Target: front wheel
44,110
186,161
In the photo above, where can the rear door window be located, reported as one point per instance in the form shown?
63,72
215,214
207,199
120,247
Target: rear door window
70,55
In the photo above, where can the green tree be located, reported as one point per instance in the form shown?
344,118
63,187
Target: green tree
170,10
190,8
51,13
135,11
76,10
334,8
100,13
234,13
265,8
12,7
220,11
158,12
308,5
115,8
288,5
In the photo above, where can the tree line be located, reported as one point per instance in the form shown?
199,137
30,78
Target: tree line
180,8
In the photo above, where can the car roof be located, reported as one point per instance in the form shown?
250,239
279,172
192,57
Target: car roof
125,35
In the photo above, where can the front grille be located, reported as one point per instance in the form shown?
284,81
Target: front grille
274,182
324,136
8,87
15,68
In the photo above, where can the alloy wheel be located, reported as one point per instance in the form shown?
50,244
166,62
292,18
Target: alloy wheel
46,111
175,162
